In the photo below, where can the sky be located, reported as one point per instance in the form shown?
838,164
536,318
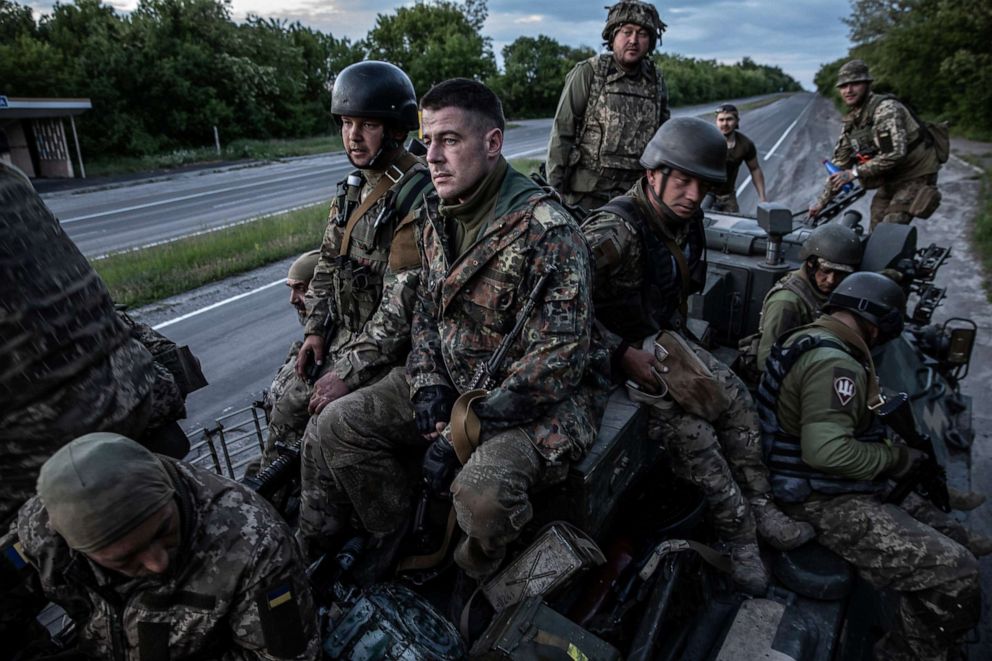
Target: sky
797,36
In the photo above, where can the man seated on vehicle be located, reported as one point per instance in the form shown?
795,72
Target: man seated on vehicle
740,149
830,253
155,558
288,397
489,236
830,462
650,255
69,364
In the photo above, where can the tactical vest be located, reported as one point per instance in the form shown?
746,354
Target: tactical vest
657,305
357,280
798,283
56,316
861,135
791,478
621,116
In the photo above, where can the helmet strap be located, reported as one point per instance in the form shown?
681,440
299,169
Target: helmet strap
665,210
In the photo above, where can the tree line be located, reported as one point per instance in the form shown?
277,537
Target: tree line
161,76
934,54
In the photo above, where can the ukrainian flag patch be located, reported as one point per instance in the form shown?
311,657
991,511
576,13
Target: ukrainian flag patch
279,596
15,555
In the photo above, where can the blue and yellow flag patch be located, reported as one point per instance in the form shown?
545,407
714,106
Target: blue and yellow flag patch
15,555
279,596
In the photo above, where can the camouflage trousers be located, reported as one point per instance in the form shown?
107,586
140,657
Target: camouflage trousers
892,201
286,404
935,577
723,458
726,203
105,398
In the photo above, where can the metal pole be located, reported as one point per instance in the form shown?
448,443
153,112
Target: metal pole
217,140
79,154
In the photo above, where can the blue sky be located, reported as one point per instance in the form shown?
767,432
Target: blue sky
797,36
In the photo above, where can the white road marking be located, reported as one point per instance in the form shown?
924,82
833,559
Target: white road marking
771,152
213,306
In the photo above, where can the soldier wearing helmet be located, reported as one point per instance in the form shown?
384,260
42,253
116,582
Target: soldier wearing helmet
359,303
830,462
610,106
886,147
831,252
650,255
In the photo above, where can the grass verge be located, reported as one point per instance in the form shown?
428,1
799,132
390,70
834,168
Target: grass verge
983,229
236,151
150,274
526,165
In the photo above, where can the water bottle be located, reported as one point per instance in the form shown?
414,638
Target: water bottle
833,169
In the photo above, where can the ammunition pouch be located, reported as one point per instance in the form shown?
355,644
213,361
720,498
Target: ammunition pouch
688,380
357,288
926,201
185,368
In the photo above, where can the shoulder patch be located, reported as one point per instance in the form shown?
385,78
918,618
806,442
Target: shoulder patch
282,625
885,144
844,389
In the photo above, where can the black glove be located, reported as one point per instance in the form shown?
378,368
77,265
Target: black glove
440,465
432,405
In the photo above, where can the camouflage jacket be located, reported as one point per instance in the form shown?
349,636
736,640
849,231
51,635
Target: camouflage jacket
467,303
368,293
235,590
605,118
168,400
792,302
883,130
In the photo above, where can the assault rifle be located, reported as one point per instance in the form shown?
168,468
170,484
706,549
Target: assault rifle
837,203
926,476
283,470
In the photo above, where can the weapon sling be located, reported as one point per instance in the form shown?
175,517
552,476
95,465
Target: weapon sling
400,167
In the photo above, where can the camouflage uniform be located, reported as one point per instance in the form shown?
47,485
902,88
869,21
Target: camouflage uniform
69,365
351,289
792,302
635,298
543,413
605,118
238,591
837,486
168,400
900,162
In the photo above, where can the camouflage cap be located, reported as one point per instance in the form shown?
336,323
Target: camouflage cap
100,487
639,13
302,268
854,71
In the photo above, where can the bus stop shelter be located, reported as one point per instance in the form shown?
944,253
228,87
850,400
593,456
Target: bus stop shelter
33,136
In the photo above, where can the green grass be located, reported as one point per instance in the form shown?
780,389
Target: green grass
526,165
983,228
237,150
143,276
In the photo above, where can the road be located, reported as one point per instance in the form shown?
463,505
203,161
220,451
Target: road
241,343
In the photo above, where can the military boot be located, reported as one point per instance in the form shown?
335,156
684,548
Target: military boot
964,501
747,569
979,545
776,528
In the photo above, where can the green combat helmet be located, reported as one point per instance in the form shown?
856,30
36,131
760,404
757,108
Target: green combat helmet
874,298
854,71
691,145
837,247
638,13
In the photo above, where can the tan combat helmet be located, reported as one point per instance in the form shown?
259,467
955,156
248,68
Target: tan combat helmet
853,71
639,13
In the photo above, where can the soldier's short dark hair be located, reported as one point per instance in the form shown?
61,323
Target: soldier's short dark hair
469,95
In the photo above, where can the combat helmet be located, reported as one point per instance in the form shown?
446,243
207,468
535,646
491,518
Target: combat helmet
691,145
853,71
837,247
377,90
639,13
873,297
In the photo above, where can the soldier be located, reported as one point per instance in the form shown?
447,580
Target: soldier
153,557
831,252
489,235
740,149
887,148
288,397
830,463
649,247
69,364
609,108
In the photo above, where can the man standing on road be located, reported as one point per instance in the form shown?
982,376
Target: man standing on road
489,236
885,147
69,364
830,461
152,559
609,108
740,149
650,252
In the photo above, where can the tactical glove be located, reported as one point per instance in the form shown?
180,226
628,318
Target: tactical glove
432,405
440,465
906,458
